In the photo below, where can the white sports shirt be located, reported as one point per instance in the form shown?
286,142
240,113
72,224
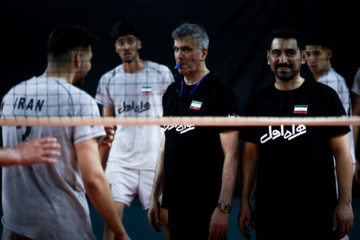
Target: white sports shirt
135,95
48,201
338,83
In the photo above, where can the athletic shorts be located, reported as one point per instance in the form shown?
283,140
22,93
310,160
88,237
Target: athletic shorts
126,183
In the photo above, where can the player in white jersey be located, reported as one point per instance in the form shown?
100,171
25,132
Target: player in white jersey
318,55
48,201
132,89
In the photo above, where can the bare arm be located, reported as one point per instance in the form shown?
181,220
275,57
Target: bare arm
356,112
31,152
96,184
230,144
248,183
154,209
343,214
104,151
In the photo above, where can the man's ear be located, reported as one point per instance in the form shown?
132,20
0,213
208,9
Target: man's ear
303,57
267,57
139,44
204,53
329,53
77,60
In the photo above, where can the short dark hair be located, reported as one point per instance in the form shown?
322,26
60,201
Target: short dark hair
318,41
287,33
123,28
64,39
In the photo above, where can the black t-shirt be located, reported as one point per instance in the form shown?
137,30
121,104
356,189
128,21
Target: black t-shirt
193,158
296,167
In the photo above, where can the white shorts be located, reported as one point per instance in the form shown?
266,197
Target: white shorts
126,183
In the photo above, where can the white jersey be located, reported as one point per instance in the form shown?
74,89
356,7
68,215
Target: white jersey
47,201
356,85
135,95
338,83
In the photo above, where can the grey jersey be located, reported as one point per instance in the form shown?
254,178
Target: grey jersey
47,201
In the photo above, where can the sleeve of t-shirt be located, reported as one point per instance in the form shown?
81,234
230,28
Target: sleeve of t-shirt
248,133
356,85
228,108
335,109
87,108
103,92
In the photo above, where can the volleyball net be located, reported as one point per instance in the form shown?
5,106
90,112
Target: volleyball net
197,121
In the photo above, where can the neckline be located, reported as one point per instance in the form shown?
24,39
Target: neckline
196,85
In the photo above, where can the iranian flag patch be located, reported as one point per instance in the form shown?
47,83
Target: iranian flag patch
146,89
300,109
195,105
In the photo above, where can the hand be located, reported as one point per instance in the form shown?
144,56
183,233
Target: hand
105,141
343,219
37,151
219,224
154,216
245,216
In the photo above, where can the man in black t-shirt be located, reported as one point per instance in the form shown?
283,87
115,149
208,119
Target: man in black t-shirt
292,166
197,166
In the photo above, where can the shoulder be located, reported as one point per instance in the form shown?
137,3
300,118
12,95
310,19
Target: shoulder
320,90
157,67
111,73
357,75
214,81
174,85
264,91
335,75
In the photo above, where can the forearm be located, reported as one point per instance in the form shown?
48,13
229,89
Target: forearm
98,190
159,174
355,112
340,146
104,151
231,164
9,157
344,174
248,172
248,182
230,145
96,184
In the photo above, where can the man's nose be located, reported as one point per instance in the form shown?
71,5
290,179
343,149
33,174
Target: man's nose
283,58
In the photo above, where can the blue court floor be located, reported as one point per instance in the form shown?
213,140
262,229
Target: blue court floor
138,228
137,225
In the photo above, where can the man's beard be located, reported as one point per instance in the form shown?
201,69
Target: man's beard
285,77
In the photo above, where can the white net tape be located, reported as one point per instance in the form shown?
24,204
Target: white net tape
197,121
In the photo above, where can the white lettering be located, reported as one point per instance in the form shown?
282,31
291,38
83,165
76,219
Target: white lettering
289,134
179,128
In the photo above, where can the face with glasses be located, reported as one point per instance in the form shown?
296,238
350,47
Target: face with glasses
127,47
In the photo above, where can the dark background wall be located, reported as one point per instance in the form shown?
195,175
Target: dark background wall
238,31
